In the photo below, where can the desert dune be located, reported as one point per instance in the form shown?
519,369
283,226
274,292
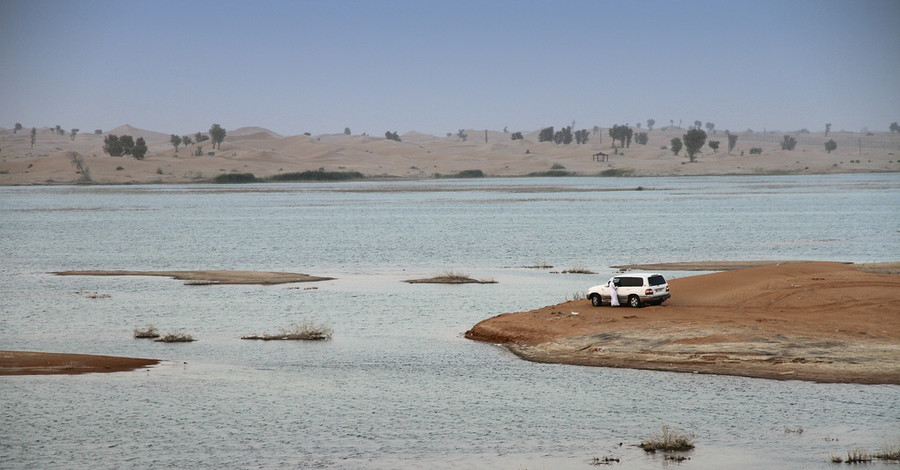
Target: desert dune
265,153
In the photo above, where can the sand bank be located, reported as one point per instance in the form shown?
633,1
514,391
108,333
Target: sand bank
880,268
41,363
819,321
210,277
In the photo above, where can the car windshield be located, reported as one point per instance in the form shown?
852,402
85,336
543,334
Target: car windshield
656,280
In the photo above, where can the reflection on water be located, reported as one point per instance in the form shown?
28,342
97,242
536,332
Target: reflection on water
398,386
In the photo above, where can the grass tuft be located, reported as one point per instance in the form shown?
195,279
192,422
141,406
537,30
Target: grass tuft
858,456
668,440
149,332
890,452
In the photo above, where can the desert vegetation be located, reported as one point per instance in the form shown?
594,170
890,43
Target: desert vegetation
309,175
308,330
888,452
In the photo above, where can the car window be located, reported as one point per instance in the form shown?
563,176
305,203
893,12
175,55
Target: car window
630,282
656,280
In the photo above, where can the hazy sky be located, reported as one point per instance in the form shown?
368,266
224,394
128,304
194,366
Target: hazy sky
438,66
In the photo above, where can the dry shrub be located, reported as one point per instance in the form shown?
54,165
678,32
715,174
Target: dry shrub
149,332
306,330
176,337
668,440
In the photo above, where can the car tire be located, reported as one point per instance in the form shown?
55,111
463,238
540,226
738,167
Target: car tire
596,301
634,301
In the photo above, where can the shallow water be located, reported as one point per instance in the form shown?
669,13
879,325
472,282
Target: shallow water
398,386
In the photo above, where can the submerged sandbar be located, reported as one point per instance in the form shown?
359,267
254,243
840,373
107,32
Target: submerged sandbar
211,276
44,363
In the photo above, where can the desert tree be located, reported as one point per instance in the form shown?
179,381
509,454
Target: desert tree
830,146
517,136
462,135
80,168
650,123
112,146
217,134
581,137
711,128
621,133
697,124
714,144
693,140
17,128
33,137
392,136
563,136
732,141
788,143
505,130
827,129
58,130
139,149
596,130
200,137
346,131
127,142
641,138
546,134
894,127
187,140
73,133
675,145
175,141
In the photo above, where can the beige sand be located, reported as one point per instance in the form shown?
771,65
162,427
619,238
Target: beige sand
41,363
264,153
878,268
210,277
825,322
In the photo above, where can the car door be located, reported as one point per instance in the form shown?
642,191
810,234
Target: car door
629,285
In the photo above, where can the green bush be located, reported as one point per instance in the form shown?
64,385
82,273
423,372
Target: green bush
617,172
470,174
317,175
551,173
229,178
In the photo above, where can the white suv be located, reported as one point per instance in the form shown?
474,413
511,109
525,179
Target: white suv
636,289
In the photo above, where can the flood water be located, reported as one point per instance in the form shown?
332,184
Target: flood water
398,386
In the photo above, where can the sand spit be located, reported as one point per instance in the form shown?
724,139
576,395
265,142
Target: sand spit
42,363
210,277
818,321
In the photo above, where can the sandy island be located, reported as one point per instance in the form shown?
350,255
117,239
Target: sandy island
817,321
210,277
42,363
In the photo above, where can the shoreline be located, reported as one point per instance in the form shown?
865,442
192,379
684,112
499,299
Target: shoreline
401,178
818,321
45,363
